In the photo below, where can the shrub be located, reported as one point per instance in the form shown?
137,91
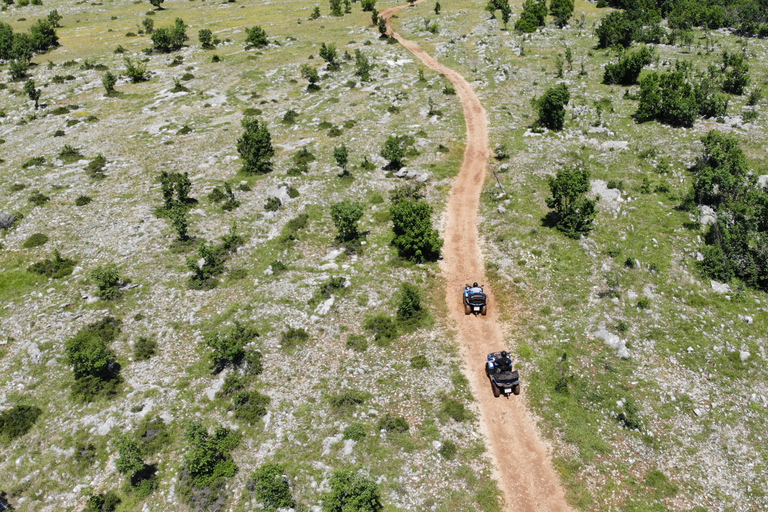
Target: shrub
290,116
345,215
448,450
419,362
206,267
37,198
456,410
396,424
142,477
35,160
255,147
273,204
107,279
532,17
414,237
144,348
136,72
667,98
643,303
293,337
168,39
384,328
152,435
394,150
348,399
256,37
551,107
573,211
35,240
17,421
95,168
409,304
355,432
228,349
628,69
357,342
208,459
83,200
352,491
106,502
270,488
206,39
94,364
55,268
629,417
250,406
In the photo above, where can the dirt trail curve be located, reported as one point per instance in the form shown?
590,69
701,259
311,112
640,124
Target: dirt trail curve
523,467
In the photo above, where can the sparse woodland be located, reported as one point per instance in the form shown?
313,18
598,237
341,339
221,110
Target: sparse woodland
220,239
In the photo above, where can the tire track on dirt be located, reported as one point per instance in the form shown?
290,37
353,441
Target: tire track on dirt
522,464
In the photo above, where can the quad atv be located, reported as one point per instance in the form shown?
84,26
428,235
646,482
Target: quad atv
475,300
504,380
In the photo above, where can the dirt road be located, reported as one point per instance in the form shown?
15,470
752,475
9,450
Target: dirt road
523,466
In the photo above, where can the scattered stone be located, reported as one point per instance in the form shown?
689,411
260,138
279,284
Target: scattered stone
720,287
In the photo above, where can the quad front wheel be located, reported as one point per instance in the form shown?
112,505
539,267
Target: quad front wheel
496,390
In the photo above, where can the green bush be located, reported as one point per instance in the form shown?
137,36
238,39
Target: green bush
573,211
106,502
409,311
228,349
144,348
345,216
326,290
35,240
83,200
293,337
17,421
391,423
37,198
627,70
55,268
415,238
667,98
152,435
383,327
69,155
273,204
448,450
169,39
256,37
351,491
94,364
456,410
107,279
270,488
250,406
208,459
419,362
551,107
35,160
348,399
355,432
95,167
357,342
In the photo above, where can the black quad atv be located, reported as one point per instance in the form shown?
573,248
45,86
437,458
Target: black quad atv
475,301
504,380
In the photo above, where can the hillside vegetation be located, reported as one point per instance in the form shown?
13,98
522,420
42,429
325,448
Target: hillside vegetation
205,306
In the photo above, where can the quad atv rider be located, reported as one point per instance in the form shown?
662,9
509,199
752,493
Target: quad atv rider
503,378
475,300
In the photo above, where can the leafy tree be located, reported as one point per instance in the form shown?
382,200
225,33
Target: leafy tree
42,36
415,238
270,487
711,102
208,264
310,74
149,25
315,14
336,8
721,175
256,37
352,491
368,5
328,54
206,39
178,216
383,28
562,10
341,155
362,66
228,349
437,7
18,69
250,406
94,364
394,151
667,98
157,4
409,308
617,28
166,40
551,107
107,279
54,18
255,147
106,502
34,94
108,81
208,460
628,69
735,73
345,215
129,460
574,212
533,16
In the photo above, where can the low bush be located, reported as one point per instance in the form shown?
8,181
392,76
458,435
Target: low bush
293,338
94,364
355,432
273,204
95,167
455,409
328,289
270,488
17,421
55,268
228,349
35,240
107,279
37,198
207,463
350,491
383,327
347,399
448,450
106,502
419,362
144,348
83,200
391,423
250,406
357,342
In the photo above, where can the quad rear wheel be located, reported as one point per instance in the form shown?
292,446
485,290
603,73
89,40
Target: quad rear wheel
516,389
467,309
484,310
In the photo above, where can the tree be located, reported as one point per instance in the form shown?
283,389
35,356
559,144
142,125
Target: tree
157,4
129,460
328,54
310,74
341,154
574,212
149,25
345,215
368,5
628,69
336,8
736,73
383,28
107,279
394,151
108,81
721,174
206,39
551,107
256,37
42,36
34,94
667,98
166,40
54,18
617,28
415,238
362,66
271,488
562,10
533,16
255,147
178,216
437,7
208,264
136,72
352,492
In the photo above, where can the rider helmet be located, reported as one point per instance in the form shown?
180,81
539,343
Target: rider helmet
474,284
504,353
